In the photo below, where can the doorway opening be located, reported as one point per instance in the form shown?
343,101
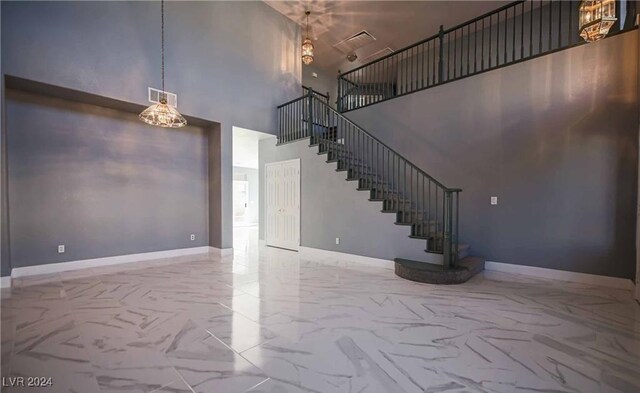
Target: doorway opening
246,186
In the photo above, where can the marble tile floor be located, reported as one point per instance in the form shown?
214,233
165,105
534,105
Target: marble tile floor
268,320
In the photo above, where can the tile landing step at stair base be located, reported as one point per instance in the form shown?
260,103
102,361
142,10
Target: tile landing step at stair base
430,273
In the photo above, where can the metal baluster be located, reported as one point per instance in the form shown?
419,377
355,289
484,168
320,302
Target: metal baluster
405,72
498,40
404,180
506,25
559,25
490,37
442,228
475,46
482,49
411,57
521,31
550,23
531,28
377,167
468,47
513,37
455,51
540,42
413,198
429,211
570,35
423,65
448,77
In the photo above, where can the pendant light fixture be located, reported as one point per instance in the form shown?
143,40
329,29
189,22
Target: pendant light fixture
307,46
596,18
163,114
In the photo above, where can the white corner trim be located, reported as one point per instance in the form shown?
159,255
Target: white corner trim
106,261
344,257
562,275
5,282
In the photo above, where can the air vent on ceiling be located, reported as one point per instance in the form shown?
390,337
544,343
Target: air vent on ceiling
356,41
155,95
378,54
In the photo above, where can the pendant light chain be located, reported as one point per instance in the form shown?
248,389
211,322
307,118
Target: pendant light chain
162,43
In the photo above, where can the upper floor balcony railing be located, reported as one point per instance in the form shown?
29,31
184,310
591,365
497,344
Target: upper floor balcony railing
516,32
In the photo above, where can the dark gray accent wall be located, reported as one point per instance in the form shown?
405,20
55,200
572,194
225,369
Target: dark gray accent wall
332,207
554,138
100,182
230,62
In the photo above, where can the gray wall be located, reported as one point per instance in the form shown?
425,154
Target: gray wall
5,266
229,62
100,182
332,207
554,138
326,82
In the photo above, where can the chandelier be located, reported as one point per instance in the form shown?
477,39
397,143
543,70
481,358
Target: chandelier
163,114
596,18
307,46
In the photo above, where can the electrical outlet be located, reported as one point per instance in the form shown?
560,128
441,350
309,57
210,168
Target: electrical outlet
61,249
193,237
337,240
494,200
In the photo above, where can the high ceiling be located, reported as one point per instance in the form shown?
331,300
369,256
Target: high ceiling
394,24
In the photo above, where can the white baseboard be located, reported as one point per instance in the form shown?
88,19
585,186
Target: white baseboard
562,275
223,252
5,282
106,261
369,261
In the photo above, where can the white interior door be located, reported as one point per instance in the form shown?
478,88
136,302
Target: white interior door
282,204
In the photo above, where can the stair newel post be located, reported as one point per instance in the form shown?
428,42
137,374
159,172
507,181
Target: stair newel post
448,255
310,112
340,93
441,54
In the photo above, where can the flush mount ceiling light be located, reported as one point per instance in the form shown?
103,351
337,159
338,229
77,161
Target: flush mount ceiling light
596,18
163,114
307,46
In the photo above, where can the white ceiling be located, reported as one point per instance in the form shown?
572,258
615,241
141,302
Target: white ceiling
245,147
393,23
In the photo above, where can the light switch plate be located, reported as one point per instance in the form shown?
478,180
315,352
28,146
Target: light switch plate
494,200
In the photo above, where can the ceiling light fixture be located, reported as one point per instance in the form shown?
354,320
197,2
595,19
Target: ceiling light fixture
307,46
163,114
596,18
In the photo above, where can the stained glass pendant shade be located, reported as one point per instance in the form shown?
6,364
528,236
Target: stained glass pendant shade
596,18
163,114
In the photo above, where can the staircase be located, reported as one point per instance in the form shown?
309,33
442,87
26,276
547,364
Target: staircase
515,32
418,201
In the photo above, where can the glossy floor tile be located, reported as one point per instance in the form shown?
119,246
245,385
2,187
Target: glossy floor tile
269,320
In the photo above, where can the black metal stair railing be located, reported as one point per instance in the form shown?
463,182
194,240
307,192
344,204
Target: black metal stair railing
516,32
417,199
